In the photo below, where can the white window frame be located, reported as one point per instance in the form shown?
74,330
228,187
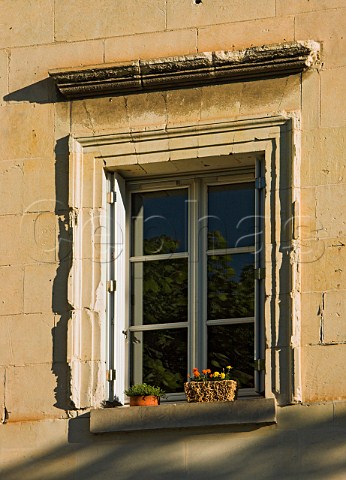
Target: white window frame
197,199
276,139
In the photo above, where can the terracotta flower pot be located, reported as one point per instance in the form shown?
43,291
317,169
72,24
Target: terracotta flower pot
145,401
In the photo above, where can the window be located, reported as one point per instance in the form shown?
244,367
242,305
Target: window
186,183
194,245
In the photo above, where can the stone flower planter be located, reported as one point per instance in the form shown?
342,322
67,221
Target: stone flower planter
211,391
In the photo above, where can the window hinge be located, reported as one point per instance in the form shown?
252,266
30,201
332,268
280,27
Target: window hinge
260,182
260,273
111,375
111,197
259,364
111,286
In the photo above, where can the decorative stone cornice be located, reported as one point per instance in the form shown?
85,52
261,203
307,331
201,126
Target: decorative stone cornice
186,71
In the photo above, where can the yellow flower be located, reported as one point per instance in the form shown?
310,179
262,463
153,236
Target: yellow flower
216,374
222,375
229,367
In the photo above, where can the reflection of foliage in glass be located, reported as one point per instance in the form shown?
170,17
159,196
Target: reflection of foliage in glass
165,287
227,297
165,291
233,344
165,358
160,245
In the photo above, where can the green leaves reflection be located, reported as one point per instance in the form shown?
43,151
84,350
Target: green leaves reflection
230,283
165,358
233,345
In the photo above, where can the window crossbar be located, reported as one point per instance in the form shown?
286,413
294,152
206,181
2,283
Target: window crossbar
158,326
163,256
229,251
231,321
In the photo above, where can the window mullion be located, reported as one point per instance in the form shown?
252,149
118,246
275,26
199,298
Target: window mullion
259,283
193,212
202,291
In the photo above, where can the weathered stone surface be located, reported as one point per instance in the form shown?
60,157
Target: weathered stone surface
34,434
190,14
11,187
333,103
24,389
11,297
239,453
330,211
169,461
150,45
188,70
329,25
36,136
149,109
311,101
328,145
103,115
38,288
2,396
306,222
221,101
271,95
311,318
10,240
327,272
18,19
183,415
38,237
322,373
30,65
334,313
234,36
339,413
26,339
295,416
300,6
81,19
39,194
3,74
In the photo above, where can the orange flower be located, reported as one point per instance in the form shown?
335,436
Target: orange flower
196,373
204,372
208,370
195,369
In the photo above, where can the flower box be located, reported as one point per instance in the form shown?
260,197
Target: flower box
211,391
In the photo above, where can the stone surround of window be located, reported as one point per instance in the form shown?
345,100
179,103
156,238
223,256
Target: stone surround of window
149,153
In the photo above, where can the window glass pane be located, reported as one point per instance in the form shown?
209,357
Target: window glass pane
231,216
160,357
159,291
230,286
233,345
159,222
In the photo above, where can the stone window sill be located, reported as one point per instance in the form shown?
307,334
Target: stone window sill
183,415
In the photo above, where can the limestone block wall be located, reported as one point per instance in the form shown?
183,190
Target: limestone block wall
35,219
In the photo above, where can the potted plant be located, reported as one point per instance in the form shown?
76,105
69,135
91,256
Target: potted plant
142,394
211,387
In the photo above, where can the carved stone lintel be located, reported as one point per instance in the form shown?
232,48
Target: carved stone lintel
187,71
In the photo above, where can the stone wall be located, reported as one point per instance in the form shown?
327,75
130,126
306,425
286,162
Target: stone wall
36,229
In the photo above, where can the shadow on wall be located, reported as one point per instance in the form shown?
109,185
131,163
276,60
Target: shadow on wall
60,304
314,451
41,92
